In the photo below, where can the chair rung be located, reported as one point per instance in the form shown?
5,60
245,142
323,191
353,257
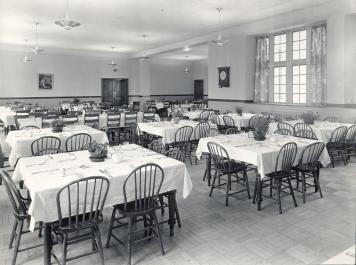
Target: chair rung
28,248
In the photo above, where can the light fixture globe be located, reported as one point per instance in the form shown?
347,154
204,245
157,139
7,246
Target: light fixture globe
220,41
66,23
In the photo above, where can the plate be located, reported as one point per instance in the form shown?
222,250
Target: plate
96,159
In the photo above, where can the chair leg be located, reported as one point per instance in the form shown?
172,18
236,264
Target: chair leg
255,191
161,202
247,185
278,184
317,183
40,230
270,187
64,250
17,241
228,184
303,186
297,175
291,191
99,244
110,228
158,232
129,229
93,243
212,185
177,213
13,233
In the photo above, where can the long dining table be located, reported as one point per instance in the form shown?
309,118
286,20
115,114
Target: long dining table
20,141
261,154
64,168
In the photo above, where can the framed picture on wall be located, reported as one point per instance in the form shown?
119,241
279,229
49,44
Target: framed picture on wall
224,76
45,81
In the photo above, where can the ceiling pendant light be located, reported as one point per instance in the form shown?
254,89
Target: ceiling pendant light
26,59
186,48
186,70
36,48
220,41
112,63
144,57
66,23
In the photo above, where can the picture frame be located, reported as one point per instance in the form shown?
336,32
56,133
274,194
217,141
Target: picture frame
224,76
45,81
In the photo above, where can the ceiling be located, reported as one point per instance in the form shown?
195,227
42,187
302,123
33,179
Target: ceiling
121,23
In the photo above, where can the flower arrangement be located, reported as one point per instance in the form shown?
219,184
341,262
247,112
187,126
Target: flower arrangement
97,151
261,128
57,126
176,115
309,117
238,110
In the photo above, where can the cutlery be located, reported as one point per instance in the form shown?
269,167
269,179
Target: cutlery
39,164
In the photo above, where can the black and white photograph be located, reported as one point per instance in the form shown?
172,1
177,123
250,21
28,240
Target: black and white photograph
178,132
45,81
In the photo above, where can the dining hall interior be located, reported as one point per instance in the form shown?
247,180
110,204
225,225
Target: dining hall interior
170,132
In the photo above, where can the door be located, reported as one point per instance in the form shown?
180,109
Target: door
198,89
114,91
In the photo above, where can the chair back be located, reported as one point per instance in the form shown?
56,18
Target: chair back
183,134
285,158
77,142
136,134
91,119
46,145
157,146
81,202
22,114
114,118
338,135
284,132
285,125
350,137
47,120
310,156
2,158
204,115
142,187
175,154
220,157
308,134
70,119
228,121
301,126
214,118
213,132
331,119
257,119
130,119
149,116
232,131
19,208
201,130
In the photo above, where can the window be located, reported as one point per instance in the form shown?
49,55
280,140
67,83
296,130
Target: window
288,54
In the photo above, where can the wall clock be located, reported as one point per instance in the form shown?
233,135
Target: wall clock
224,76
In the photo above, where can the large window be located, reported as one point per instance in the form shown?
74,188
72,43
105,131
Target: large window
288,57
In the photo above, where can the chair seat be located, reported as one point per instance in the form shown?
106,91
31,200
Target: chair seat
130,209
65,222
303,168
278,174
235,167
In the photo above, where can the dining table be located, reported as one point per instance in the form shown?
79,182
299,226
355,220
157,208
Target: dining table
44,176
20,141
167,129
241,121
322,129
195,114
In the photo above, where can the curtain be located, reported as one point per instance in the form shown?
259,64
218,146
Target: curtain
262,71
318,65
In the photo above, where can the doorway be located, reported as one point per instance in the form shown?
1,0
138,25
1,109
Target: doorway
198,89
114,91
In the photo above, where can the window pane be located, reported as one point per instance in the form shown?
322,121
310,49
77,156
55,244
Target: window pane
295,55
282,98
277,39
295,89
303,35
303,79
302,69
283,38
276,57
303,45
295,45
295,98
296,36
295,70
282,88
303,89
295,79
303,54
282,79
303,98
282,57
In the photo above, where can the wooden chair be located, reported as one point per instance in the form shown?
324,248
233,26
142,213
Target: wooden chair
301,126
83,202
232,131
280,179
204,115
308,134
77,142
130,122
19,206
200,131
112,128
336,145
224,166
284,132
213,132
253,121
228,122
4,162
332,119
140,201
46,145
70,119
149,116
285,125
92,120
350,141
309,167
182,141
157,146
29,127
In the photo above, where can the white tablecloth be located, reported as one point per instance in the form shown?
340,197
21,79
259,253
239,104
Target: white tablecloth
167,129
322,129
7,116
20,141
192,115
240,121
44,181
262,154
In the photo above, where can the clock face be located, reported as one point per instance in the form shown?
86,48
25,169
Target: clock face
222,75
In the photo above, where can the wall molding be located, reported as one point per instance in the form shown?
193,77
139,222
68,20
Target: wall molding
12,98
231,100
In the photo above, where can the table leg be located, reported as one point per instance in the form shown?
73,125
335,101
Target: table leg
171,220
47,244
259,194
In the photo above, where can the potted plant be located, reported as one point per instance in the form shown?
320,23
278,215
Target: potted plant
57,126
98,152
260,129
309,117
238,110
